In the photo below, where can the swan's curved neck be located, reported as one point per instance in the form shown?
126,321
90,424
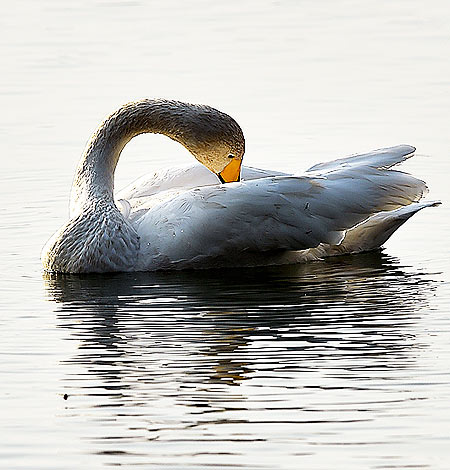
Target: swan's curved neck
94,177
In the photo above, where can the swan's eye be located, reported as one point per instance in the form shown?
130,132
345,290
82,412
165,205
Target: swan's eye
231,155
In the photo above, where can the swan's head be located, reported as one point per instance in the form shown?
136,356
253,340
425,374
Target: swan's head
216,140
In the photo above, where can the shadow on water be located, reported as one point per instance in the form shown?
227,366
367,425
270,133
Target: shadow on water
217,325
227,361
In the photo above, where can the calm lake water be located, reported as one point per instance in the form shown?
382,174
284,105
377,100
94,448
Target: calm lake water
335,364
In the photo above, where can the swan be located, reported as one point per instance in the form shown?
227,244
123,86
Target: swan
188,218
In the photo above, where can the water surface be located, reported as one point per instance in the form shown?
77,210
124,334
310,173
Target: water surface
334,364
260,366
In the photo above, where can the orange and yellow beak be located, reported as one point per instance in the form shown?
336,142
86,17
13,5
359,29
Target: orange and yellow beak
232,172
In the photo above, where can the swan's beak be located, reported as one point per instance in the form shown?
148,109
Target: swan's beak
232,172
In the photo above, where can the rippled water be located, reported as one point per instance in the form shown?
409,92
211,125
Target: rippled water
336,364
255,368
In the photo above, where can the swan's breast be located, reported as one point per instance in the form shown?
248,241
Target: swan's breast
96,240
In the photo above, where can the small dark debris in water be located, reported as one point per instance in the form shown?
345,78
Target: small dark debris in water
65,396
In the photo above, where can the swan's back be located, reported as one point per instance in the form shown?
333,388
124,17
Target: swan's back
211,225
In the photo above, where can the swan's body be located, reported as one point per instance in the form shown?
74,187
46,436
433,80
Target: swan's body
182,218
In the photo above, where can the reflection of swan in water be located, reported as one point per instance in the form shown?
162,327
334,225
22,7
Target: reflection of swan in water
185,219
209,323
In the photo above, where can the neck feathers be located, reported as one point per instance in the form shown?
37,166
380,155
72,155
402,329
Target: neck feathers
201,129
94,177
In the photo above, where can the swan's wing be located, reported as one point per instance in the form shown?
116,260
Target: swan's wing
273,213
250,173
373,232
196,175
382,158
182,178
177,178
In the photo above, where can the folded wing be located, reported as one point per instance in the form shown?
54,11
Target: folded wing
278,213
182,178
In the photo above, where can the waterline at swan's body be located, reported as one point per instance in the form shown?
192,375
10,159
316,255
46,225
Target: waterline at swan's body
184,218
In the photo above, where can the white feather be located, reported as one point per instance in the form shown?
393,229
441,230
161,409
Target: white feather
182,217
213,224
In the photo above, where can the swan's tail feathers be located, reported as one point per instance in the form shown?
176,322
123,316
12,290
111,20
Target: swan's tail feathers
380,159
375,231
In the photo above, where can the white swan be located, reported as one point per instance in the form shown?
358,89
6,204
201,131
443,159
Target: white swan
183,218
